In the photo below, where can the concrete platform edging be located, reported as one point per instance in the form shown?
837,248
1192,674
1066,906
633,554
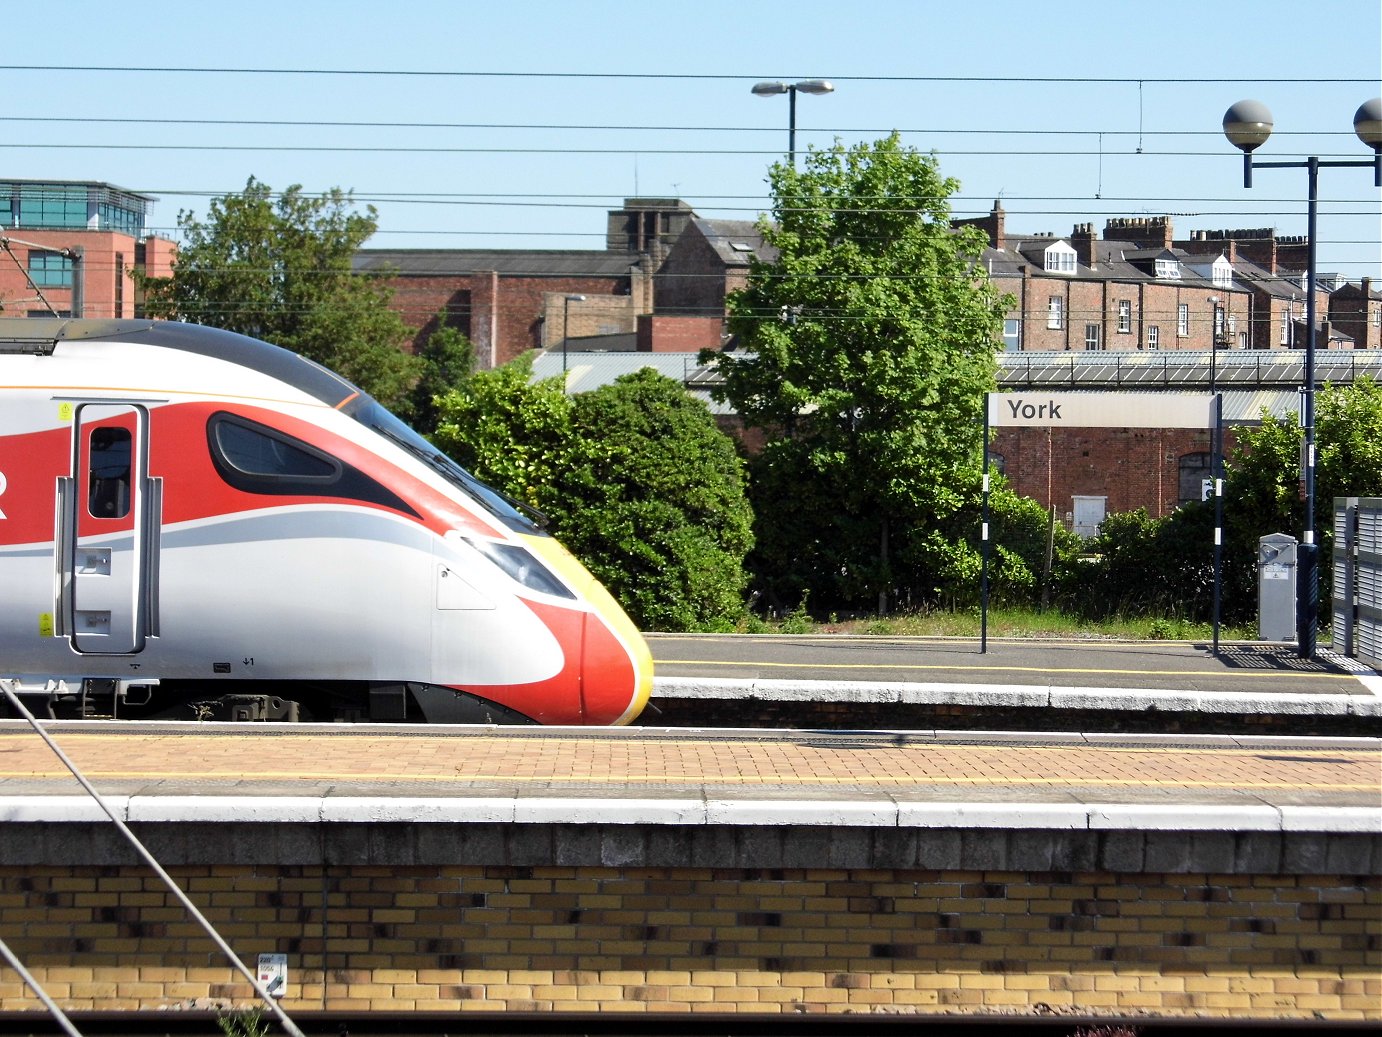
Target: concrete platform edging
856,812
1017,696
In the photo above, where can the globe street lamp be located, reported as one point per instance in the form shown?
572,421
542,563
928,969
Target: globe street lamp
1247,125
565,323
805,86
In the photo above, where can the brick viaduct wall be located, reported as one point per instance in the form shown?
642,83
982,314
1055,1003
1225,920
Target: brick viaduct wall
600,918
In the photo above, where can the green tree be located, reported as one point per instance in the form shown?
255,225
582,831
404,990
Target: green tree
446,359
635,478
869,342
280,269
1263,489
513,433
1165,566
659,507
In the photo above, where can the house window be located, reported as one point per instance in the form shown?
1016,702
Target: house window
1124,316
1286,325
1153,337
1055,312
1183,319
1242,340
49,270
1377,316
1167,270
1060,259
1222,273
1218,324
1012,334
1091,336
1195,472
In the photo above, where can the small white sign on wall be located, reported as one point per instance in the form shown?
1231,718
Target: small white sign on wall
273,973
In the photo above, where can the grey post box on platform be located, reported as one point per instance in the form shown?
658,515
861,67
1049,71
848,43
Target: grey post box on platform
1276,588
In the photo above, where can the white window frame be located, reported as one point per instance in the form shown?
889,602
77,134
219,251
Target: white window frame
1093,337
1167,270
1286,325
1059,258
1153,336
1222,273
1183,319
1124,316
1055,313
1012,334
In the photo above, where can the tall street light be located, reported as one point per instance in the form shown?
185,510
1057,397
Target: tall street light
1216,322
1247,125
805,86
565,324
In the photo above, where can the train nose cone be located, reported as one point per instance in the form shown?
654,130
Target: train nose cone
616,664
615,671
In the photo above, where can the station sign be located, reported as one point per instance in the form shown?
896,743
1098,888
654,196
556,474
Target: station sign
1101,409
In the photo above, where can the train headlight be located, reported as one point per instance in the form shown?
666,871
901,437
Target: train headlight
520,565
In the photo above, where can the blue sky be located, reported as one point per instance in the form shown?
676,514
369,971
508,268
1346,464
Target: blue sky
549,114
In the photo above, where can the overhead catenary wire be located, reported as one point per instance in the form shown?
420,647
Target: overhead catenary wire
668,76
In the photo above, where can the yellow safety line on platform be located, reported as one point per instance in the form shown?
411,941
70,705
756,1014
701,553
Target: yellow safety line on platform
627,737
626,779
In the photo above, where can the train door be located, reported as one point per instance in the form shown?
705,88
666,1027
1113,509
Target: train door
107,543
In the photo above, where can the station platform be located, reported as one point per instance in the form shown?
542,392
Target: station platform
1018,683
450,870
847,786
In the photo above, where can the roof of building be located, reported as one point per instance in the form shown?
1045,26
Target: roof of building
97,185
457,262
586,370
1251,381
735,241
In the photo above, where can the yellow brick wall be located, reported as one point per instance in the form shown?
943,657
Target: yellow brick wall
688,939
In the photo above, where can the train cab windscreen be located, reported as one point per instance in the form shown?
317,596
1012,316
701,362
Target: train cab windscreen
514,514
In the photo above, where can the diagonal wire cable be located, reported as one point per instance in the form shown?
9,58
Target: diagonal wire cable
52,1005
288,1025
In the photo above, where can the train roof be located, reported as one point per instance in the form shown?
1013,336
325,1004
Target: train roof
43,335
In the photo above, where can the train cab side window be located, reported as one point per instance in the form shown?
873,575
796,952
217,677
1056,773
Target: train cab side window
252,457
108,493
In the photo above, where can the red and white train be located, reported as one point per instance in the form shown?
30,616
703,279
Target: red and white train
197,524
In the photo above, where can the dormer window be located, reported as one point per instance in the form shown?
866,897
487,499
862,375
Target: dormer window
1222,273
1167,270
1060,258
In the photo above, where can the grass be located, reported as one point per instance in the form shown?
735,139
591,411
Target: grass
1025,623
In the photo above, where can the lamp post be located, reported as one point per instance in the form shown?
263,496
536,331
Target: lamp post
1247,125
805,86
1215,323
565,323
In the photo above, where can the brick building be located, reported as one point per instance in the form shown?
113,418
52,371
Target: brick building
708,261
70,246
1355,311
1137,288
509,301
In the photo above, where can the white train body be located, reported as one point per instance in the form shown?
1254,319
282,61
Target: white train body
197,523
